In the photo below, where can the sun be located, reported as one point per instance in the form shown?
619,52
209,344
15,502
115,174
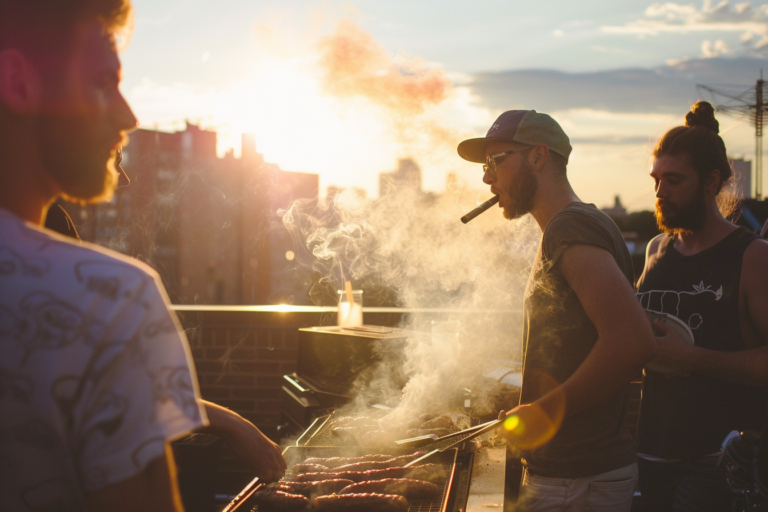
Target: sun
297,125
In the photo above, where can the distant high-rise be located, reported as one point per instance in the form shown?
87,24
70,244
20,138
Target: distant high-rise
618,209
407,175
742,176
208,225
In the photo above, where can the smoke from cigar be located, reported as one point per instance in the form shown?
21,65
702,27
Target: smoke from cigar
480,209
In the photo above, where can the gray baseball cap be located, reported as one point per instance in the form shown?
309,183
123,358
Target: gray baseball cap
523,126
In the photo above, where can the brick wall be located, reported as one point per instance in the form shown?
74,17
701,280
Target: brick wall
241,353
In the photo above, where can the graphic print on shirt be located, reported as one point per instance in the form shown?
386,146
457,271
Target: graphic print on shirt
95,376
52,323
683,305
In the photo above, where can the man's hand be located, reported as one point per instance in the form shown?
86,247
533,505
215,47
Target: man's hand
247,442
257,451
673,351
528,426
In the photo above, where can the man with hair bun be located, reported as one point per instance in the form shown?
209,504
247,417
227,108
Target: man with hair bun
712,275
96,376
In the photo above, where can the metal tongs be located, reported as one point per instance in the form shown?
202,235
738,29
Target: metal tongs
449,441
241,500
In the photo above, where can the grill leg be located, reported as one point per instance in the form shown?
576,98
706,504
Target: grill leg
512,478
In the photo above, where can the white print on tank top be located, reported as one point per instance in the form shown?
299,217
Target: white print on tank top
669,301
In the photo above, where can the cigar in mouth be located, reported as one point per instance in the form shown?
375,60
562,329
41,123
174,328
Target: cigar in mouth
480,209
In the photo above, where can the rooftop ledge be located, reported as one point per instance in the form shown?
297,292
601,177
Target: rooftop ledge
286,308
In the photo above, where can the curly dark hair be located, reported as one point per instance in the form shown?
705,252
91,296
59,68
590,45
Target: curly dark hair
699,140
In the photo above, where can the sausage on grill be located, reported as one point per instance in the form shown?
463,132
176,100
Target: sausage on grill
412,489
361,502
333,462
316,477
303,467
417,432
378,464
317,487
439,422
428,472
365,466
279,501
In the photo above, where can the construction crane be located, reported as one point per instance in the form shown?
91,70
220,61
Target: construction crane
750,105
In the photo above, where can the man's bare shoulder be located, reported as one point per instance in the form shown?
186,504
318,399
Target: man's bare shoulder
36,246
654,245
755,263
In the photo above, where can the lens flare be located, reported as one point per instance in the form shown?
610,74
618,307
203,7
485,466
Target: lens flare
530,426
511,423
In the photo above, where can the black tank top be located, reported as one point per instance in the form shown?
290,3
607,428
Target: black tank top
684,416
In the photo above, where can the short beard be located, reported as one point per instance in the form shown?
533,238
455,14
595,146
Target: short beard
522,193
81,171
687,218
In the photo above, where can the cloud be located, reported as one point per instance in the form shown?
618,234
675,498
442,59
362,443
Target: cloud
355,64
670,17
354,107
710,50
664,89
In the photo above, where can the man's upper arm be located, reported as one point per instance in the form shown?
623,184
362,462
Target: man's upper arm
650,251
755,280
143,393
606,296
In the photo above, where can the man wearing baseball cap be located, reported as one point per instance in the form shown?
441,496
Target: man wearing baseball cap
585,337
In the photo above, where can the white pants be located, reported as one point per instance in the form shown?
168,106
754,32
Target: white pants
611,491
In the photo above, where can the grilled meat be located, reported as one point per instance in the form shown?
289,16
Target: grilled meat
428,472
334,462
303,467
411,489
317,487
439,422
272,499
417,432
360,502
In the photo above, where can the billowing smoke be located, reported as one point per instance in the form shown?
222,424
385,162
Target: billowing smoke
411,94
414,244
356,65
410,245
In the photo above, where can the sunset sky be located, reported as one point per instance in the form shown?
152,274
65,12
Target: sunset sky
345,89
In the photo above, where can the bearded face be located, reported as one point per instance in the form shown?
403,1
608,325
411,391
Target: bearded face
83,170
681,215
84,119
521,192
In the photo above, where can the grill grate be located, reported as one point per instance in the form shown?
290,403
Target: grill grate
323,435
435,504
445,443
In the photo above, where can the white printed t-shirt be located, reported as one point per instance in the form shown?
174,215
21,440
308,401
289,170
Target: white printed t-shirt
95,373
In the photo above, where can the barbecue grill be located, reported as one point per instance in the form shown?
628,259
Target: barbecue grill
331,361
320,441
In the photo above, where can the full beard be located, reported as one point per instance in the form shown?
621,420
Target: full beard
521,193
81,167
672,219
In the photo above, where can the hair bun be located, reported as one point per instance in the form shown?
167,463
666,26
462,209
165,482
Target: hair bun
702,114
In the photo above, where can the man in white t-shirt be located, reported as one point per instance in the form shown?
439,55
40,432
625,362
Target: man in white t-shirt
95,375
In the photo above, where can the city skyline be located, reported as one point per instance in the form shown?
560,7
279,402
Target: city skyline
420,78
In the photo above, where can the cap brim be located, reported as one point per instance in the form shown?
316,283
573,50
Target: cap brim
474,149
